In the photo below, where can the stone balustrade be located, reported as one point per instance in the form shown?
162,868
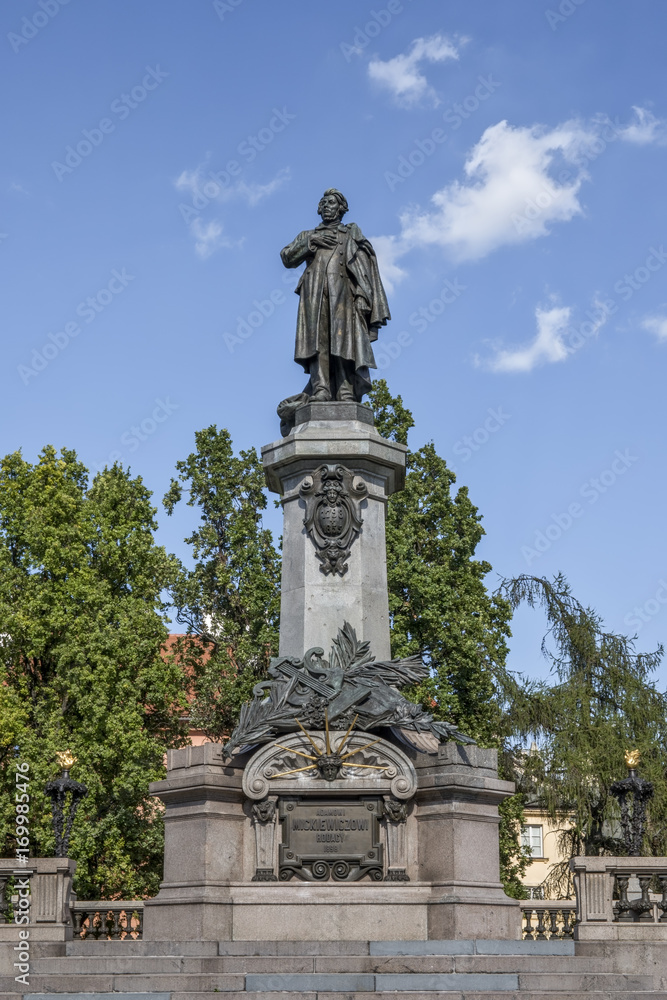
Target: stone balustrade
617,898
102,920
548,920
48,901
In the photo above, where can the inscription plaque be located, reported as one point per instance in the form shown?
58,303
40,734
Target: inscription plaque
331,839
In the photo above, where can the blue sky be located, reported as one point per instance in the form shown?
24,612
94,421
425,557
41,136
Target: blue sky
508,161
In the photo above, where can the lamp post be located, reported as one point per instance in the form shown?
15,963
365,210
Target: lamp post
57,791
641,791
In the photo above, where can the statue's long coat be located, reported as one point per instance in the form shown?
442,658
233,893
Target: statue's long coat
357,301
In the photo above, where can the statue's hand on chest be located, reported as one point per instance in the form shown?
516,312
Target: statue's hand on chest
323,239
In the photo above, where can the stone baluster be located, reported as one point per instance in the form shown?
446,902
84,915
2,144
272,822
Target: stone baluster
568,922
528,916
79,917
643,907
553,921
622,905
113,924
540,936
662,905
139,925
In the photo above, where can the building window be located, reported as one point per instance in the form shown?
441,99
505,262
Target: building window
531,837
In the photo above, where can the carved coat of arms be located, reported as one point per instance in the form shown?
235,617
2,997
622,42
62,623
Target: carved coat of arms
333,518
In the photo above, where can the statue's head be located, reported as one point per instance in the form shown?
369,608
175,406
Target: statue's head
333,205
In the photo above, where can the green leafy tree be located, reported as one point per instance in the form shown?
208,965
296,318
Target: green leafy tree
230,600
602,702
82,624
438,602
440,607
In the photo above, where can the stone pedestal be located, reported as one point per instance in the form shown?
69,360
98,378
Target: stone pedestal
315,603
447,851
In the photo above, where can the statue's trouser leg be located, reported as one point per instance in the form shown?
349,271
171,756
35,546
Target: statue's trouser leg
319,366
343,375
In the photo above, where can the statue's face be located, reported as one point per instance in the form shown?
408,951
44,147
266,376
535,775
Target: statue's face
330,208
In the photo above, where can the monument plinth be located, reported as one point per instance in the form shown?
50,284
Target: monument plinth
434,873
336,810
336,570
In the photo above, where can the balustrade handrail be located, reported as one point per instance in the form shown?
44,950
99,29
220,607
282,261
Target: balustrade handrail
608,893
108,920
555,919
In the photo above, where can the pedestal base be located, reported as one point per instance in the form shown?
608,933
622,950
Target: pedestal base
451,860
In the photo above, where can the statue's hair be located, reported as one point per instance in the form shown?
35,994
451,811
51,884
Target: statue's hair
340,198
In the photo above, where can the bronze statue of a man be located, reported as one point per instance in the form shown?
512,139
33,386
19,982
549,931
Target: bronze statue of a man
342,304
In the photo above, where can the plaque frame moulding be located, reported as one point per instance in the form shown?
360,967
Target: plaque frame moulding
357,852
376,777
386,769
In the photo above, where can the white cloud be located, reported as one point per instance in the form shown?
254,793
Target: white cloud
388,249
402,76
202,185
208,237
204,189
547,346
509,195
656,325
645,129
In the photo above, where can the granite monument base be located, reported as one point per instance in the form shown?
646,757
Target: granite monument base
227,874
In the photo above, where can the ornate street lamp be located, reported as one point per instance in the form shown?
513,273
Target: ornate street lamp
641,790
57,791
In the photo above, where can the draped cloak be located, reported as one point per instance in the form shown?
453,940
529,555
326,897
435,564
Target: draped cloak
345,280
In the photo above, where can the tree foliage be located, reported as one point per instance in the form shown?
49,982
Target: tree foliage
440,607
602,703
438,602
81,625
230,600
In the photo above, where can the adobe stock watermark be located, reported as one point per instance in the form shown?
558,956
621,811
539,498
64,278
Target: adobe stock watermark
21,897
469,444
591,491
122,108
642,614
219,181
88,310
377,21
262,310
387,351
132,438
31,26
422,149
224,7
575,337
565,9
598,143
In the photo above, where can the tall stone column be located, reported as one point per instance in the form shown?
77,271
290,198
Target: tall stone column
334,473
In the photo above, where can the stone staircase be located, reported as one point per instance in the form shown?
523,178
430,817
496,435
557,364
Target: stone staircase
461,970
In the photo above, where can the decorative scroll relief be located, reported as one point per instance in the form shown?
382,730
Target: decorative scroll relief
333,519
314,764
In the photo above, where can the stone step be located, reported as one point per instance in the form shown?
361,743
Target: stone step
128,964
301,948
455,994
521,984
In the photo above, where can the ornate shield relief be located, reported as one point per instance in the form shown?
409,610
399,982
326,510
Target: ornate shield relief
333,519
